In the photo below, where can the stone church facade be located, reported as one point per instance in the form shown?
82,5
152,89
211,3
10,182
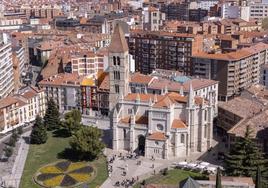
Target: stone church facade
163,126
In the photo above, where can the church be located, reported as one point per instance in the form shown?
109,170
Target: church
163,126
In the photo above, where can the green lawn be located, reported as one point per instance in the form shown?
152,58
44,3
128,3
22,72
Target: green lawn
174,177
40,155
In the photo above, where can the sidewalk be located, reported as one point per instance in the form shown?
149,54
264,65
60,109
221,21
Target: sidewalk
14,178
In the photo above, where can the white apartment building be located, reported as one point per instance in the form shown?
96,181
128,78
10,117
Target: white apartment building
6,67
64,89
152,18
206,4
259,10
20,53
16,110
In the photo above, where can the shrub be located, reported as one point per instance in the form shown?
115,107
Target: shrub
19,130
8,151
12,142
165,171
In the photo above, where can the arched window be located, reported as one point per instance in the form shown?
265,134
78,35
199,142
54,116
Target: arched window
182,138
114,60
118,60
125,133
160,127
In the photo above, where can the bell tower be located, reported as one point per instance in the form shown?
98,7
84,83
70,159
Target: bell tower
118,66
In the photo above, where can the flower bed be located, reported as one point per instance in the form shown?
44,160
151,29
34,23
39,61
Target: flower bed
64,174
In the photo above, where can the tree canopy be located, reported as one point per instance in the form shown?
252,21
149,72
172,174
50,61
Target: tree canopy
244,157
52,116
87,142
72,121
39,133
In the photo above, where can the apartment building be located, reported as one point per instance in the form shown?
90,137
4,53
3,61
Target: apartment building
6,67
235,71
259,10
176,10
89,64
153,18
64,89
19,52
21,108
264,75
163,50
43,11
206,4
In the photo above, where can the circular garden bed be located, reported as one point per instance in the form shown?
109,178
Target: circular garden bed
64,174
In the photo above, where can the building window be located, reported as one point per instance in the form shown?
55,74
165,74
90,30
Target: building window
160,127
182,138
205,131
116,88
129,111
116,75
118,60
125,133
114,60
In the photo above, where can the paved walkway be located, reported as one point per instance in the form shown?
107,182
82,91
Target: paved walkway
13,179
132,169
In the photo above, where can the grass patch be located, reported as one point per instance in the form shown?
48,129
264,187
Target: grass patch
174,177
40,155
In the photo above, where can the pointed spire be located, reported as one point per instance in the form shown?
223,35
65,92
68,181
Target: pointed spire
150,102
191,96
138,97
155,98
118,42
121,98
181,91
115,113
145,90
166,90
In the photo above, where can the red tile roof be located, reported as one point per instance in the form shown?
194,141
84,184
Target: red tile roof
138,120
63,79
141,78
8,101
157,136
178,124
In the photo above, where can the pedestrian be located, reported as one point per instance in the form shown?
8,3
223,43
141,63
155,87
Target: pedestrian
154,172
137,178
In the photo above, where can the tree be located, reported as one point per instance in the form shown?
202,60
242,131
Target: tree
258,178
15,135
39,133
218,178
19,130
8,151
72,121
87,142
52,116
12,142
244,157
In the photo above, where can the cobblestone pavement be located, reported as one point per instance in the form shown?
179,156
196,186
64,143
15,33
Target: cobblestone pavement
132,169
